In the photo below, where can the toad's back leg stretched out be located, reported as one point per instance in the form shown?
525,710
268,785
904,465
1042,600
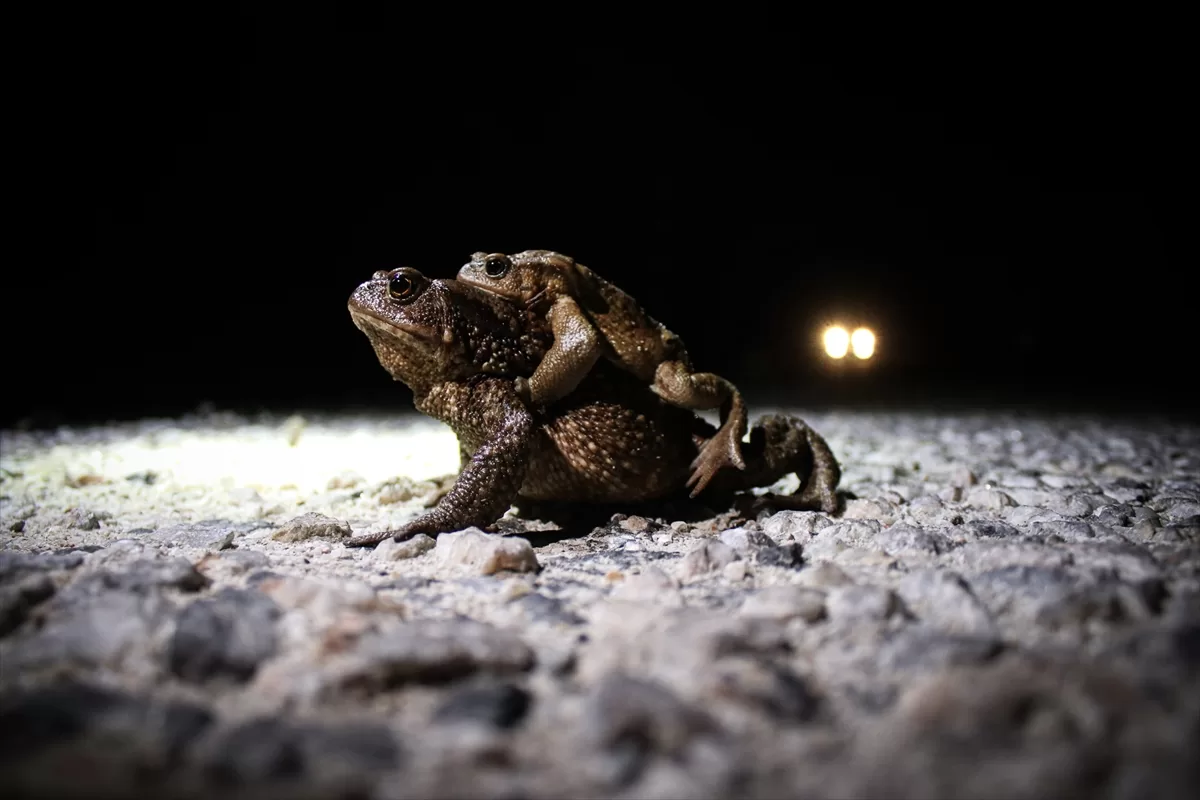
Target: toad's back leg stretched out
780,445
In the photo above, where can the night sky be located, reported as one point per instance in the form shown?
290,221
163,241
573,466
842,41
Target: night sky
207,196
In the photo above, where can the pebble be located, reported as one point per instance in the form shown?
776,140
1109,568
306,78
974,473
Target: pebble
784,603
391,550
309,526
224,636
485,553
500,705
707,557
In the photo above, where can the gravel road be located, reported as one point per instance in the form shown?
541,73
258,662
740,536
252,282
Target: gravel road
1008,606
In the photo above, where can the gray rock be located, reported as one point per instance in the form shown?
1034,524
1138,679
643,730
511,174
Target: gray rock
984,555
630,721
991,529
485,553
18,598
209,534
990,499
1078,504
129,743
903,539
1176,509
391,550
789,556
651,584
944,600
84,519
861,603
311,525
295,757
924,649
1123,515
1058,723
767,687
875,508
224,637
540,608
784,603
241,561
82,630
744,541
1060,599
15,566
1127,490
709,556
144,575
927,509
428,651
1120,559
1069,530
824,575
784,526
500,705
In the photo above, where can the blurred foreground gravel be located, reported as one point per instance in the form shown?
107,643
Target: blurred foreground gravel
1009,606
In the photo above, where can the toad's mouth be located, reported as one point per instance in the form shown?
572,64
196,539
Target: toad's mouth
507,294
365,321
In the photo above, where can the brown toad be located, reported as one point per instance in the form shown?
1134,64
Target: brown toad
591,318
611,440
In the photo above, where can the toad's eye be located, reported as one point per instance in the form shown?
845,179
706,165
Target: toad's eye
496,266
402,287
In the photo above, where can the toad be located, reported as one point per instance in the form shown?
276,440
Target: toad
611,440
591,318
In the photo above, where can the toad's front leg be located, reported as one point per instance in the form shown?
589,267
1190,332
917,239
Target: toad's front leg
489,480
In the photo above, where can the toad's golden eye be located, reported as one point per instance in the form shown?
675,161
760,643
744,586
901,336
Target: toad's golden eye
405,285
496,266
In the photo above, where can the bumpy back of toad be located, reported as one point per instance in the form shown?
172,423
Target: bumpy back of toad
632,338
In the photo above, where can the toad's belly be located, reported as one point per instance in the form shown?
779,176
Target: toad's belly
603,452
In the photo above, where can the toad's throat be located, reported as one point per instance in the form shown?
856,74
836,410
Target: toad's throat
365,321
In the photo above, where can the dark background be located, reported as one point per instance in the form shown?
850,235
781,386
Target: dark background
208,191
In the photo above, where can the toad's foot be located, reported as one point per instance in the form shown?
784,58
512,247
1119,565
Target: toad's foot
368,539
723,450
770,502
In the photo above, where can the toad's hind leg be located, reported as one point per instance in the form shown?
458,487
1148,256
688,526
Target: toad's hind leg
679,386
780,445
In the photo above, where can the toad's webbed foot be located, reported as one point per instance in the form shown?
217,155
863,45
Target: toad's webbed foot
724,449
675,383
439,520
781,445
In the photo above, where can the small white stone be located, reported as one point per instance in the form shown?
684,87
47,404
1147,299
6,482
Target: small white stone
307,526
649,584
488,553
391,550
871,508
735,572
244,494
784,603
993,499
707,557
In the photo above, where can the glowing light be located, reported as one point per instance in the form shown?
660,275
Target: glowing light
863,343
837,342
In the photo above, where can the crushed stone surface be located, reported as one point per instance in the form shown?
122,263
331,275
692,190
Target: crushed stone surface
1007,606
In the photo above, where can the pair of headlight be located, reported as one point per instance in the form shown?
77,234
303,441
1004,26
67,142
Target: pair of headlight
838,342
